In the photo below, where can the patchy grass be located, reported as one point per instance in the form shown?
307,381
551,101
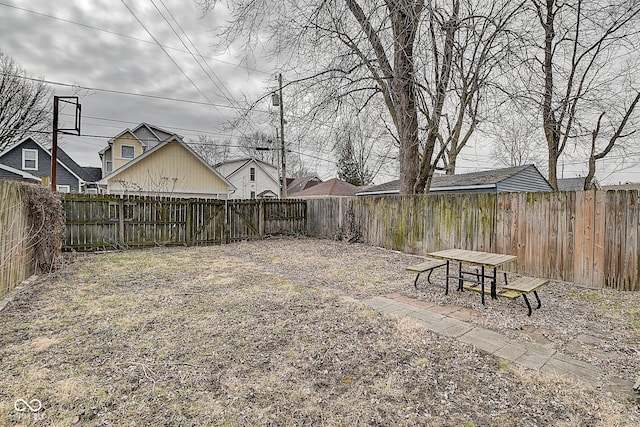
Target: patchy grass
241,334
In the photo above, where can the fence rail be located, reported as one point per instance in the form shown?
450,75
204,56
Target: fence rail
586,237
106,221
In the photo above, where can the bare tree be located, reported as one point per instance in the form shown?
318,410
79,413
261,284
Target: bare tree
24,104
473,56
261,146
371,46
211,150
517,140
355,143
426,62
587,51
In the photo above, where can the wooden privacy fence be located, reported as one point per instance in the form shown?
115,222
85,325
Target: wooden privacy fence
16,254
587,237
108,221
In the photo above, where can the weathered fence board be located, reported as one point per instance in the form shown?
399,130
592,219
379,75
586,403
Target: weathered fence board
591,238
102,221
16,255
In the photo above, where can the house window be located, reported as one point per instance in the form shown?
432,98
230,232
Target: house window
109,166
63,188
127,152
252,175
253,194
29,159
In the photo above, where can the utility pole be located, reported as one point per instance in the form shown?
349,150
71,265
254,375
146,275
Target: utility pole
54,145
282,147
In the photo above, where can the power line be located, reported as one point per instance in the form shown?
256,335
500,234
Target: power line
224,91
124,35
167,54
121,92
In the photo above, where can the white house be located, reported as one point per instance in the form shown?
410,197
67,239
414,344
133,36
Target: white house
252,178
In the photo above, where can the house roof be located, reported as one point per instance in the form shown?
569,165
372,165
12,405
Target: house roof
23,174
94,173
85,173
574,184
160,135
302,183
465,181
266,193
244,162
625,186
332,187
62,158
150,152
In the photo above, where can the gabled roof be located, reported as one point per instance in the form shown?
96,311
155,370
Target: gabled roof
62,158
160,135
78,170
150,152
302,183
266,193
245,162
465,181
332,187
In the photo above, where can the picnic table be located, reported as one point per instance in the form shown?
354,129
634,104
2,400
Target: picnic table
486,269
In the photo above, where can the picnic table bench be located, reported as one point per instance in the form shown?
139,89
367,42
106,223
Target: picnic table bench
428,265
521,286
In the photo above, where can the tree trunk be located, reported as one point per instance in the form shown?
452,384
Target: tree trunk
404,19
548,117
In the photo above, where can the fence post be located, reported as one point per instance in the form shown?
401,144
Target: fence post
261,218
121,239
188,232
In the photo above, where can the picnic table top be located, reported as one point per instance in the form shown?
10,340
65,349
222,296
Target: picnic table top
486,259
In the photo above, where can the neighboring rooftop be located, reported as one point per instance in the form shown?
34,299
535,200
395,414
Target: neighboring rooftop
332,187
519,178
574,184
302,183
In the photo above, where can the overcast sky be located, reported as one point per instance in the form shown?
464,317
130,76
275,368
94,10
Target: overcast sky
102,45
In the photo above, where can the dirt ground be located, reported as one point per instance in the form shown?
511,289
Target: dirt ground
259,333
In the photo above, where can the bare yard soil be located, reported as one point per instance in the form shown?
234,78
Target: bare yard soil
260,333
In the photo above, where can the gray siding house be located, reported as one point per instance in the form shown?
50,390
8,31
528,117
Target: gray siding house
515,179
29,161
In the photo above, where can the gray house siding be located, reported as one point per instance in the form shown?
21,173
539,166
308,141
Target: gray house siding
10,176
13,158
528,180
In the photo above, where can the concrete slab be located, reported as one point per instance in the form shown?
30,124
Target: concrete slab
536,356
571,368
458,329
378,303
485,339
399,309
444,324
426,316
425,305
511,352
445,309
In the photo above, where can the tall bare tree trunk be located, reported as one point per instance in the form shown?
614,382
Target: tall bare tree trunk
403,92
550,124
